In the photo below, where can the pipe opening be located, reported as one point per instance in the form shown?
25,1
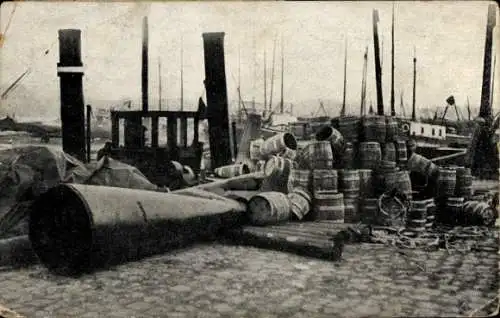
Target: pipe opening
324,133
61,231
245,169
290,141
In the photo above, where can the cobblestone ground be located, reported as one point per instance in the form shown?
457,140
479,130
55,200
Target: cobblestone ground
231,281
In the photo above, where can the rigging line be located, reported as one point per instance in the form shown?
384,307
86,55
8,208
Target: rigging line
10,19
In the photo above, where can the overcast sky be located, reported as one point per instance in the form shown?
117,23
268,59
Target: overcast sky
448,38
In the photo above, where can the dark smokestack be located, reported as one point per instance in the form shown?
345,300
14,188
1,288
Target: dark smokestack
485,110
70,72
378,68
145,62
216,89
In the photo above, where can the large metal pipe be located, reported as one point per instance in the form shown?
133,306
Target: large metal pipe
145,64
79,228
216,89
486,108
378,67
70,72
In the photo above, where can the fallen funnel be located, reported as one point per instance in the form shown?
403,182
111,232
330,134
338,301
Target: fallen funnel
78,228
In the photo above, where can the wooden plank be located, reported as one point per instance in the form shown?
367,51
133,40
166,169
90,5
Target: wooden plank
297,244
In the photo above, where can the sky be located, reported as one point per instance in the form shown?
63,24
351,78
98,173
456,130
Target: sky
447,37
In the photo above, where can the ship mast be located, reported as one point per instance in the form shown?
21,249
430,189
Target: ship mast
393,110
265,83
239,86
378,68
493,81
363,83
342,111
182,74
486,107
413,114
145,47
159,83
282,72
468,107
272,77
402,106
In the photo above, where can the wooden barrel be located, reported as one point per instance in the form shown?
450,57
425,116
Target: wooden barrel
365,183
383,168
318,155
277,173
417,216
347,159
401,152
478,213
269,208
351,210
300,202
374,128
369,210
453,212
259,166
277,144
389,152
273,166
370,154
255,148
421,165
325,180
446,182
418,210
329,205
431,210
391,128
399,180
349,182
463,186
299,178
288,153
328,133
232,170
349,127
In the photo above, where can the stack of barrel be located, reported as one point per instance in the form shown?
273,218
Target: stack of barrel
416,219
328,203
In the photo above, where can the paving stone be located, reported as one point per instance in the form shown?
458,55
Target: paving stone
255,283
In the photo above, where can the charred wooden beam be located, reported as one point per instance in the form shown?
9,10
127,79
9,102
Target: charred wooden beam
70,72
216,89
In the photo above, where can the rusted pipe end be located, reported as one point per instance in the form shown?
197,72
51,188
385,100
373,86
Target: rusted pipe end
61,230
